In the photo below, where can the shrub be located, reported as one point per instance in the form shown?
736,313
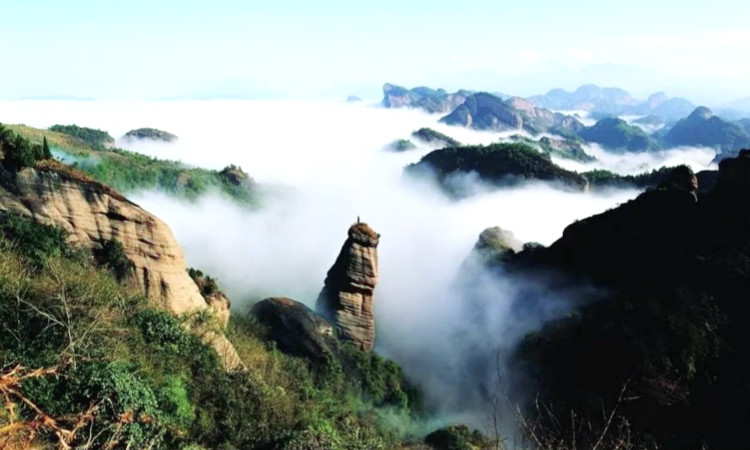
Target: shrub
96,139
33,240
112,256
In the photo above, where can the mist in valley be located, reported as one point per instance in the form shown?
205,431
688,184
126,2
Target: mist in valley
320,167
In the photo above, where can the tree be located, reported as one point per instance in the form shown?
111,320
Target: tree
46,153
19,153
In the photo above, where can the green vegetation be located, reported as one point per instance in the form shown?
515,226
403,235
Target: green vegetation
87,362
663,339
457,437
401,145
704,129
19,152
96,139
112,256
151,134
500,164
616,134
127,171
568,148
435,137
599,179
205,283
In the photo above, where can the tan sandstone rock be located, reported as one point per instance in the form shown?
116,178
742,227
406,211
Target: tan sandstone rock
92,214
347,298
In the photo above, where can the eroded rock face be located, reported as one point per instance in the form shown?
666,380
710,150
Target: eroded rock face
93,214
347,299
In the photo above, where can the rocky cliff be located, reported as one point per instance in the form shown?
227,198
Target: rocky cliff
484,111
431,100
93,214
347,298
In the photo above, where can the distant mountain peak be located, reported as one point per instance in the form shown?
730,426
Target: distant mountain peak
701,113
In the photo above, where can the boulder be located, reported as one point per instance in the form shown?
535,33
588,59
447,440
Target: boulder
296,329
494,241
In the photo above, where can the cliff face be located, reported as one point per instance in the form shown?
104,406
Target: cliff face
347,299
93,214
431,100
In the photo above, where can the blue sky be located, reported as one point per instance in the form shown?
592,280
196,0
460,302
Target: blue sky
167,49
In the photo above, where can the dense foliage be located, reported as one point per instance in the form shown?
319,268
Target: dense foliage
435,137
127,171
401,145
663,340
19,152
616,134
568,148
499,164
96,139
91,364
704,129
150,134
457,437
599,179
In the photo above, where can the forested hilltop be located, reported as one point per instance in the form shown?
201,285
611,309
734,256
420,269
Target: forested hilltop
126,171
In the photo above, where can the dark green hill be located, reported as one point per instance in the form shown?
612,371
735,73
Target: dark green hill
703,128
616,134
151,134
564,148
664,325
501,164
435,137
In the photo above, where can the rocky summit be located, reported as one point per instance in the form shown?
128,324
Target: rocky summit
347,298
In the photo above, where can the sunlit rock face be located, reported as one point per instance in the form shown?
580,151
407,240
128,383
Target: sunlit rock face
93,214
347,299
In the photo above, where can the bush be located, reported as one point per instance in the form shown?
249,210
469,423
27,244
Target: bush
456,437
112,256
33,240
96,139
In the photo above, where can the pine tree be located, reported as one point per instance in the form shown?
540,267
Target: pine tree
46,153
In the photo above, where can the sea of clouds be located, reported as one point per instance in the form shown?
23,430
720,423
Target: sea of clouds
320,166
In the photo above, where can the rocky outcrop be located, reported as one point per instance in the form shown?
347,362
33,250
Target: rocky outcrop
149,134
347,299
489,112
494,240
296,329
215,299
431,100
436,138
93,214
235,176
